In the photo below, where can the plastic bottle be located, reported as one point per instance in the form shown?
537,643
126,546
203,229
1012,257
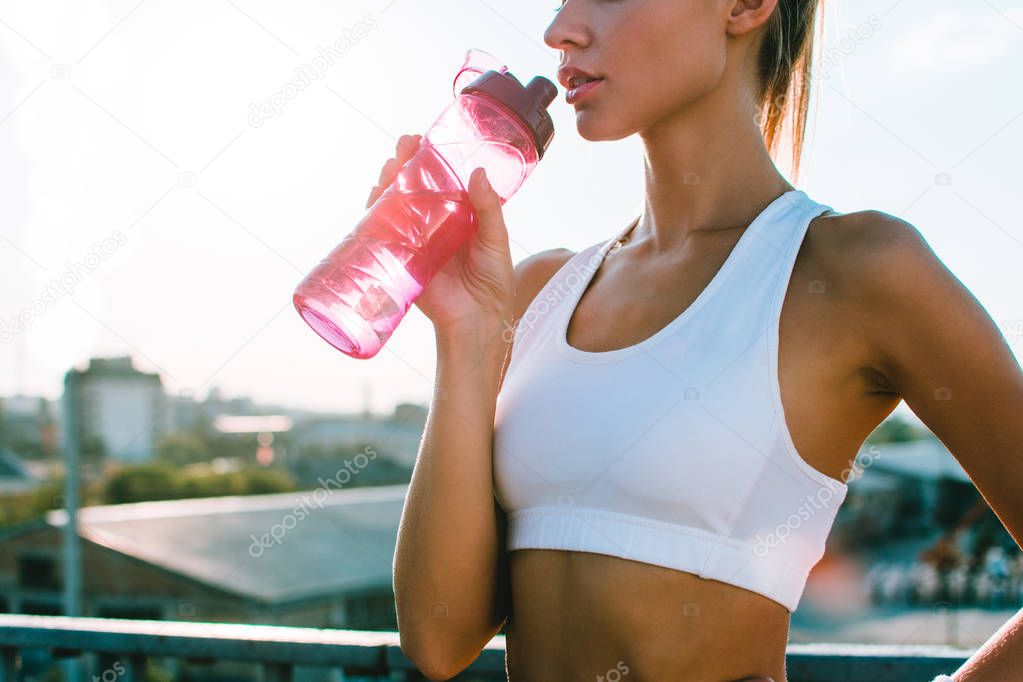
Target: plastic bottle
360,292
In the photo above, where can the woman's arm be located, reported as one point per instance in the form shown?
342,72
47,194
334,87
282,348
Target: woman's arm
948,360
452,583
445,562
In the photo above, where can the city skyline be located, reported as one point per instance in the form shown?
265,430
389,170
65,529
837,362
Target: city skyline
213,393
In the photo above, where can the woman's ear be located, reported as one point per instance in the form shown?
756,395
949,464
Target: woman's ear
747,16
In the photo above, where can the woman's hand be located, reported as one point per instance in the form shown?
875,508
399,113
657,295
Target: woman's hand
477,283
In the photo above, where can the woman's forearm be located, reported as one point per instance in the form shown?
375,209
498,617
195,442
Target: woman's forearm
1000,658
445,562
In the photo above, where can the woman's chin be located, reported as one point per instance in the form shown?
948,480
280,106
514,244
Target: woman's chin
595,127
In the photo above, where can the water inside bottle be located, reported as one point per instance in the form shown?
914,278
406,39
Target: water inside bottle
359,293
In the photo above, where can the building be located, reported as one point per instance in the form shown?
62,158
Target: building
185,413
119,411
904,488
28,426
397,437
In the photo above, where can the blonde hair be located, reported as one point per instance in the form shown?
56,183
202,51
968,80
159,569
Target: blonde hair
784,69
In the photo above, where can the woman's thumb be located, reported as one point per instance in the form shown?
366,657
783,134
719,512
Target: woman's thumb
487,203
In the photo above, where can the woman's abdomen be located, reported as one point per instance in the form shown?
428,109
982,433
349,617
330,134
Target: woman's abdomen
579,615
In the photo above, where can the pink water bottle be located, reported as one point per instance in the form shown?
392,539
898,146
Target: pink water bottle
360,292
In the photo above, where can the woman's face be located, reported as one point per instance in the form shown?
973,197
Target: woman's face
654,56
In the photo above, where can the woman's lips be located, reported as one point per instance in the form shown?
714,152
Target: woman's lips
585,90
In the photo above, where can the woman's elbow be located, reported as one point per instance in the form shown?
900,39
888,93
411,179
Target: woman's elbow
431,658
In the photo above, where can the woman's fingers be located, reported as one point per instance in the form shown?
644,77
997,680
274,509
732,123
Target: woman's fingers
407,144
405,148
373,194
486,202
388,171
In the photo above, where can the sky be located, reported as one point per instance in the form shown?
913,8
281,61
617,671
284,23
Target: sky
145,209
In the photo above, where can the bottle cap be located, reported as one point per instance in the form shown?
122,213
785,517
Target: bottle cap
528,103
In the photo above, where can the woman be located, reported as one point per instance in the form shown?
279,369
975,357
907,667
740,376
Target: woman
619,437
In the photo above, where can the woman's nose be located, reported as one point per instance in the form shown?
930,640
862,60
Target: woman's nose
567,29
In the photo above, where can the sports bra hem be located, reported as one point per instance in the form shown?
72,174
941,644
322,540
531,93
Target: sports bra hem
705,554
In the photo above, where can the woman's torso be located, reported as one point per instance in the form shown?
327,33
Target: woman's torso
577,615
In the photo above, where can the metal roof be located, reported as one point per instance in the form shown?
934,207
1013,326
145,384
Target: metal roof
273,548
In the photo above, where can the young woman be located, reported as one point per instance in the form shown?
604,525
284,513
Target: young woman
634,453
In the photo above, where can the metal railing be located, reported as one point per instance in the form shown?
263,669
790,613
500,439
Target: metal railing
370,655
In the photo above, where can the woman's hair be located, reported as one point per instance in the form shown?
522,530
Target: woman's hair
784,68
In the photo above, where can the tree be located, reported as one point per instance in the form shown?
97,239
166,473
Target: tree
183,448
895,429
156,481
161,481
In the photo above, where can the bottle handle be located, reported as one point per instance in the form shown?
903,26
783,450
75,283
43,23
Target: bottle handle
475,63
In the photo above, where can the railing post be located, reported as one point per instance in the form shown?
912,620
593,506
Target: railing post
9,664
135,668
278,672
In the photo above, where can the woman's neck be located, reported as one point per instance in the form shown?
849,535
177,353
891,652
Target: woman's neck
705,169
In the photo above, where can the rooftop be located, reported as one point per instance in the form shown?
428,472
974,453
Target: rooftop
240,544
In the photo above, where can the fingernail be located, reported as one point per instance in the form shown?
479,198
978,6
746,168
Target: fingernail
484,181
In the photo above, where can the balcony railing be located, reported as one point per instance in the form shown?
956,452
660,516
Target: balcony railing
368,655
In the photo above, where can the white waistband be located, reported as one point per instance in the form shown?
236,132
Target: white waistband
656,542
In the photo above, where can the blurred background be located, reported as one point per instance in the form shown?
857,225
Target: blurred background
172,170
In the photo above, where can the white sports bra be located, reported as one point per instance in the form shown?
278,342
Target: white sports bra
673,451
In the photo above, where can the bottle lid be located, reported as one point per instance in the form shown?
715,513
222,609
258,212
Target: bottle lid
528,103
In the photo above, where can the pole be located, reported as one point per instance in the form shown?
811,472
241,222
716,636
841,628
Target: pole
72,549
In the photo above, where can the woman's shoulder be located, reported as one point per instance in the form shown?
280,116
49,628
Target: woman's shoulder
534,271
844,244
870,260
